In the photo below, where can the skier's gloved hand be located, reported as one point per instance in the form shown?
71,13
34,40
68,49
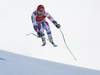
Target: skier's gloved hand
58,25
39,35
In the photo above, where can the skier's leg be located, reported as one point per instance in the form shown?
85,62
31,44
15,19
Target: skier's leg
47,27
43,41
50,37
41,31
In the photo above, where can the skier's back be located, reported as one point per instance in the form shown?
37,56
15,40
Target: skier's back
40,24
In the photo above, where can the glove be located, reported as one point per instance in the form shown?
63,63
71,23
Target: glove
58,25
38,34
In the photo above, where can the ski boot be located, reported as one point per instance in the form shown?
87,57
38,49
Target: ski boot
43,40
51,40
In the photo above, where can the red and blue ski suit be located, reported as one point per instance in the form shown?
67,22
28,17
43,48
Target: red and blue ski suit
40,24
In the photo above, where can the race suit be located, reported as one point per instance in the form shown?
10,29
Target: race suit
40,24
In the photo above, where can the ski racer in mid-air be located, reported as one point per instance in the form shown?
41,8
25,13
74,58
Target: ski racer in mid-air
40,24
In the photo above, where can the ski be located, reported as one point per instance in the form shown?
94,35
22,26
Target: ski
53,44
43,44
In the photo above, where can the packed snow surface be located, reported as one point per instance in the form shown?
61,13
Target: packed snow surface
15,64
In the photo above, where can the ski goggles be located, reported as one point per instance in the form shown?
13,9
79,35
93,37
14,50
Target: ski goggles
40,12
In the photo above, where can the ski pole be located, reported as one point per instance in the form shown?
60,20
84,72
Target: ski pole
66,44
31,33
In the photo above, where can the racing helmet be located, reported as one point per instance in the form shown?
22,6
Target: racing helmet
40,9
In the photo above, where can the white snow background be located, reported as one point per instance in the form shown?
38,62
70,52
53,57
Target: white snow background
79,20
15,64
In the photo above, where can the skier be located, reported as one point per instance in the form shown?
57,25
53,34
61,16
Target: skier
40,24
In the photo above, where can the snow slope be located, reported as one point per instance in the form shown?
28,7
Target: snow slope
15,64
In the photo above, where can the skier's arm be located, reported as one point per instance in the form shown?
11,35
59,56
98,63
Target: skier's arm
50,18
33,18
